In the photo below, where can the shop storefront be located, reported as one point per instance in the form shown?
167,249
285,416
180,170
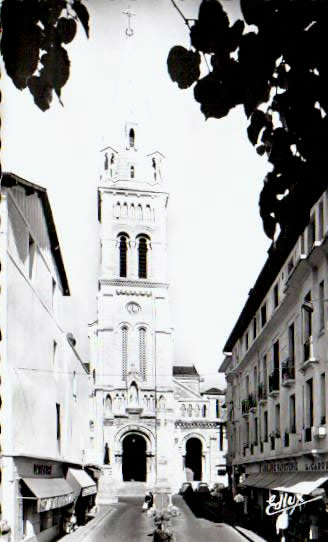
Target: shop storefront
43,499
298,487
85,490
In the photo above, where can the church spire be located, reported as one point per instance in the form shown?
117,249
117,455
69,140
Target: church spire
129,163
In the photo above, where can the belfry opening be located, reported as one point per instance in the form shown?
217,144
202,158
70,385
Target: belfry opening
134,458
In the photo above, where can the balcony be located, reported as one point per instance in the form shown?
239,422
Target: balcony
288,372
262,393
252,402
308,354
274,383
245,407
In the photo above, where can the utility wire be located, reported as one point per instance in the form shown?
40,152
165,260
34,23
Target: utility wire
54,371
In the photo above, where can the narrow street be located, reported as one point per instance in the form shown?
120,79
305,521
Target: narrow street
125,522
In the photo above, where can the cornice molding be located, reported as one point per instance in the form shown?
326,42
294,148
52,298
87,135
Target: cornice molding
197,424
133,283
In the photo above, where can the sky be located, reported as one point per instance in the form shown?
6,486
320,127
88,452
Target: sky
216,242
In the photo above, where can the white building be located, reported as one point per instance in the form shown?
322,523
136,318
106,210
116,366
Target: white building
149,416
276,369
44,383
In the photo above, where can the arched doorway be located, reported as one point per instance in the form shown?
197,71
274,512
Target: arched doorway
194,457
134,458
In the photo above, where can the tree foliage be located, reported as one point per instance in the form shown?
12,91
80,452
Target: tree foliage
32,44
274,64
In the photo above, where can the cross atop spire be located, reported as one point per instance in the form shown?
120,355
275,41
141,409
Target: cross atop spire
129,30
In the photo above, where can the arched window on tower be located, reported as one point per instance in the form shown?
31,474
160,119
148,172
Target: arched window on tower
154,168
148,212
125,209
108,405
123,249
131,138
112,160
132,172
139,215
183,411
142,257
204,411
142,353
106,161
190,411
124,338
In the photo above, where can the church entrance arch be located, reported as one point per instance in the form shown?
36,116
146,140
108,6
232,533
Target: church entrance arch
193,460
134,460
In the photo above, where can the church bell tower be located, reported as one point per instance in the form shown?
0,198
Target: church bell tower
132,342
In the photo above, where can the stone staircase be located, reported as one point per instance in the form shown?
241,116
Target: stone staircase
132,489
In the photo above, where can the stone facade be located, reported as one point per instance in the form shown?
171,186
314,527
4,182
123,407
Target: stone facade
44,383
276,369
140,396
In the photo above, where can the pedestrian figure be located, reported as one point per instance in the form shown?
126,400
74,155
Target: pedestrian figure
106,454
239,501
148,502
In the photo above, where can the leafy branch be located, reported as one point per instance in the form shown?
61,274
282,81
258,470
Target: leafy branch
279,75
32,45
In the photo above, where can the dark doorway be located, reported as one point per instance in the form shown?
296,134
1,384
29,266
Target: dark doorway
194,457
134,459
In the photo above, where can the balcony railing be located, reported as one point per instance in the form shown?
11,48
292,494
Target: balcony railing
288,370
262,392
252,401
274,381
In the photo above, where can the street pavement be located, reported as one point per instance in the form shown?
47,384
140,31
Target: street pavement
125,522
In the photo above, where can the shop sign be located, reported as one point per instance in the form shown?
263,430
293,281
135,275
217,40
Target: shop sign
317,466
294,465
54,502
286,466
286,502
91,490
42,470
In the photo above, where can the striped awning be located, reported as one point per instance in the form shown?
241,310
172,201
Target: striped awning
302,483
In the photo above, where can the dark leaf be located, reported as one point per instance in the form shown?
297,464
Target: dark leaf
50,11
66,30
269,226
260,149
41,92
82,14
234,35
20,51
256,11
56,68
209,31
213,97
183,66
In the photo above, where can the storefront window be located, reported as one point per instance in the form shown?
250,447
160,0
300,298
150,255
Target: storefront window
46,520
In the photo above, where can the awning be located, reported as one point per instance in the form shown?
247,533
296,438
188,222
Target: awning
81,482
50,492
302,483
